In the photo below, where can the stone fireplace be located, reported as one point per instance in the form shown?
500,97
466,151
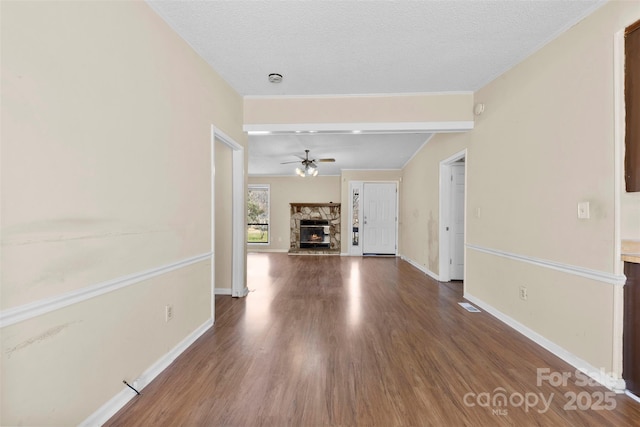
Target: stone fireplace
315,228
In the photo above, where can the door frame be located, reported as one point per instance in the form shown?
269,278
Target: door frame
357,184
444,215
355,250
238,242
397,203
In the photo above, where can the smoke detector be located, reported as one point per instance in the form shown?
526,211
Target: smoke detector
275,78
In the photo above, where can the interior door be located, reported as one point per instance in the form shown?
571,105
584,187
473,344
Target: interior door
456,245
379,202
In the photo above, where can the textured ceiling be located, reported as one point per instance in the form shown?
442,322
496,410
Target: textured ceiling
364,47
386,151
359,47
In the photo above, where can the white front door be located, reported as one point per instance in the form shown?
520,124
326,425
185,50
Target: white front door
379,207
456,246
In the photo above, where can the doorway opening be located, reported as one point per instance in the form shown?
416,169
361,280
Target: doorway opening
452,217
238,257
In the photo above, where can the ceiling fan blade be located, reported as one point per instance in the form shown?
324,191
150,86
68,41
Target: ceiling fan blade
286,163
306,161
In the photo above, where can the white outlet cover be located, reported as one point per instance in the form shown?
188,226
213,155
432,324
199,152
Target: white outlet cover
583,210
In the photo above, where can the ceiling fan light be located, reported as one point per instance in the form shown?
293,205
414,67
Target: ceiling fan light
309,168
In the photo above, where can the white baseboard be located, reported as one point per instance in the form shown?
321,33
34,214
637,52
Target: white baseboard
606,379
117,402
243,293
633,396
222,291
266,250
421,268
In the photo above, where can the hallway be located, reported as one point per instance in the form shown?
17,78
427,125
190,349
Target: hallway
329,340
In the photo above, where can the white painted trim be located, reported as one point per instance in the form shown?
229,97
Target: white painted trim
268,188
425,270
363,222
444,214
354,250
631,395
291,175
358,95
238,213
600,276
38,308
256,250
222,291
370,127
371,170
117,402
619,132
212,243
612,383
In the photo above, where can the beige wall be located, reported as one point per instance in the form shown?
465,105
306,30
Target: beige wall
359,109
106,123
319,189
294,189
106,117
544,143
223,217
419,200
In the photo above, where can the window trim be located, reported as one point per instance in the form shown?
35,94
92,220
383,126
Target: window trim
266,187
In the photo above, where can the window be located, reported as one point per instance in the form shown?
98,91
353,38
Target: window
258,214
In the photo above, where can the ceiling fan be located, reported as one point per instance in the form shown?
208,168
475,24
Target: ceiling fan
309,166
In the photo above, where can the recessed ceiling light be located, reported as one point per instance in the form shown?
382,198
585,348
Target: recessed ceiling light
275,78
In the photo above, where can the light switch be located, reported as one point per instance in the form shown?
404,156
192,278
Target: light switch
583,210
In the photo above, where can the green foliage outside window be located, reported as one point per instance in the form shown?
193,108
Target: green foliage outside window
258,214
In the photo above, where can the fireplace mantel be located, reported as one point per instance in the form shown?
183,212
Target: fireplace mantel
306,211
297,207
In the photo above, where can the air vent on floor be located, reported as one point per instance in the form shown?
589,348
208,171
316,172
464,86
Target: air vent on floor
469,307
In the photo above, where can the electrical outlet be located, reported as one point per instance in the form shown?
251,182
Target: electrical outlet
523,293
583,210
168,312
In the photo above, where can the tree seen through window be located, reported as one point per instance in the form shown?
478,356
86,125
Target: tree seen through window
258,214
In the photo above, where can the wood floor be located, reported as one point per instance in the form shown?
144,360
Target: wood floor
350,341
